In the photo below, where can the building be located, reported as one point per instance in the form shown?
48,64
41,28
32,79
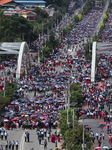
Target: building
8,4
29,15
24,3
31,2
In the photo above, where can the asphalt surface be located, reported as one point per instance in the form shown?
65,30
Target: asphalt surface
94,124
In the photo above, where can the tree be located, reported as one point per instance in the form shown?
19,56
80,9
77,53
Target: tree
46,51
14,27
73,139
9,90
73,136
53,42
75,92
40,14
105,16
79,17
62,3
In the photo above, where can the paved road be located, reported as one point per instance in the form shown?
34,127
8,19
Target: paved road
18,134
94,123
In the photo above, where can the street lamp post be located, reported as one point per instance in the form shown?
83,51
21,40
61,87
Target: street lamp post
73,104
83,143
39,51
73,118
68,101
83,135
4,85
4,81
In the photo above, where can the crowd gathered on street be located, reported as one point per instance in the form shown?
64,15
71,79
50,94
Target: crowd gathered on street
49,81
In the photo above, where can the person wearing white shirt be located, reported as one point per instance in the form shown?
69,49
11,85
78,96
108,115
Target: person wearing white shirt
12,144
97,135
103,135
6,145
6,135
1,147
2,134
17,145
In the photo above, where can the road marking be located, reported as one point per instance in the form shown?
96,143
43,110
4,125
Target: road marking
41,147
22,143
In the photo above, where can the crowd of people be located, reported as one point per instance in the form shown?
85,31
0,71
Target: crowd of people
106,34
49,82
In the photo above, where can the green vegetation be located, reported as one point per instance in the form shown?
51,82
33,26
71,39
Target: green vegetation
88,50
75,92
89,5
79,17
70,130
58,3
73,136
13,28
7,97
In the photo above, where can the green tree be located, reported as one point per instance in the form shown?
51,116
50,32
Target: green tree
73,136
40,14
79,17
63,121
9,90
73,139
46,51
53,42
15,27
75,92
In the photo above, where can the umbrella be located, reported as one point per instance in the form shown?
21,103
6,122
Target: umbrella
87,126
16,118
98,148
102,126
6,120
16,102
26,131
39,102
11,117
55,100
6,115
29,113
105,147
42,118
32,110
10,106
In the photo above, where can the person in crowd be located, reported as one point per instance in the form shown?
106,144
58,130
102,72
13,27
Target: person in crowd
97,135
17,145
25,136
48,136
9,145
5,135
12,144
1,147
2,135
45,144
6,145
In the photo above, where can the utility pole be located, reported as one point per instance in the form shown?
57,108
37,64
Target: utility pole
39,51
68,101
83,142
4,83
42,39
83,136
73,118
47,31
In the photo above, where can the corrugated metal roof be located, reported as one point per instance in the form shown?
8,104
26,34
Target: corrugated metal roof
26,2
5,1
30,1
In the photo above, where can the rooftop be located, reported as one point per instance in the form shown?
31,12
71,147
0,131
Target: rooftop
5,1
